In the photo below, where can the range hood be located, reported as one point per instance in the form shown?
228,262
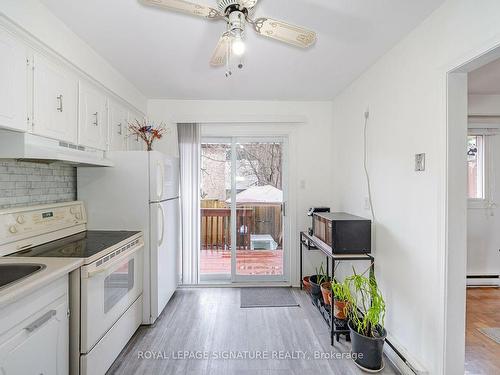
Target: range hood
31,147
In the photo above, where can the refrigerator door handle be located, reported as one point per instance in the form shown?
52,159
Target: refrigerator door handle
160,241
161,180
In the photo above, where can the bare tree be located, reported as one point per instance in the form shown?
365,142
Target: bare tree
259,163
263,161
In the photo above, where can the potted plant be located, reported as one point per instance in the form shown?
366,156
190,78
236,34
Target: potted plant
326,291
340,299
316,281
366,313
306,283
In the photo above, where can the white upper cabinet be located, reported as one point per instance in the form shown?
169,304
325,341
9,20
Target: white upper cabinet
118,126
134,143
13,95
92,123
55,91
43,94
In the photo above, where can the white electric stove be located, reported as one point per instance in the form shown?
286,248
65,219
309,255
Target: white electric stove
105,293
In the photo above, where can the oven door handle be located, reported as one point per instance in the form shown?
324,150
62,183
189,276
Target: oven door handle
88,274
98,271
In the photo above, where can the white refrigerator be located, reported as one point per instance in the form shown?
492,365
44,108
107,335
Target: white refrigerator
140,192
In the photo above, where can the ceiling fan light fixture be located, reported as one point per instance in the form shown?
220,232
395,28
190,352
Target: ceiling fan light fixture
238,46
237,14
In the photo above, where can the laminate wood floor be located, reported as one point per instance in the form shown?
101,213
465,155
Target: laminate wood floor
211,322
482,355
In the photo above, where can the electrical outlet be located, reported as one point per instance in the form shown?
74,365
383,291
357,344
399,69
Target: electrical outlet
419,162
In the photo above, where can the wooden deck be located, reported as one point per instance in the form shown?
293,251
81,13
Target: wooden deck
249,262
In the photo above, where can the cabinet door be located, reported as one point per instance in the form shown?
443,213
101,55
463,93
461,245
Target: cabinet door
39,347
134,143
118,126
92,123
54,100
13,96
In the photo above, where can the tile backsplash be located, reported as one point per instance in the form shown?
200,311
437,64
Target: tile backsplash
27,183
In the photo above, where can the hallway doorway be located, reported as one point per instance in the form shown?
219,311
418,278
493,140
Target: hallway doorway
473,259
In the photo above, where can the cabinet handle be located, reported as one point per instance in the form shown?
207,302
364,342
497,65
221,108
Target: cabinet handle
120,127
96,123
40,321
60,98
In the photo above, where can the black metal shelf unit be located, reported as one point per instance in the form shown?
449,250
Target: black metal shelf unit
309,243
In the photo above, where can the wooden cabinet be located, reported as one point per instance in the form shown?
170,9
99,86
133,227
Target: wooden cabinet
92,117
13,95
55,92
118,126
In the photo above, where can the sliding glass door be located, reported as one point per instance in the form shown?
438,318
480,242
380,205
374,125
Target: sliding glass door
243,237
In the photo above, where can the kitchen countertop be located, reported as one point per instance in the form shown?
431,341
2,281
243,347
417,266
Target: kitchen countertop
55,268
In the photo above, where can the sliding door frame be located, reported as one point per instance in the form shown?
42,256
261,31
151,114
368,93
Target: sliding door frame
286,247
235,278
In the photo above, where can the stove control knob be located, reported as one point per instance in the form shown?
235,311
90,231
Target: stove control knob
20,219
73,210
12,229
78,216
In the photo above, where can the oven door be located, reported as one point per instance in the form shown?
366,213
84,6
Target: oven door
108,287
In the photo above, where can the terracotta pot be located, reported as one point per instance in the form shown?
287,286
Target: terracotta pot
307,284
339,308
326,291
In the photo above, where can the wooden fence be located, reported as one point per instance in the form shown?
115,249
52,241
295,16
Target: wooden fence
250,219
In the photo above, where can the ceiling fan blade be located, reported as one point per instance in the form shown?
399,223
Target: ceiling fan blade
284,32
219,56
186,7
247,3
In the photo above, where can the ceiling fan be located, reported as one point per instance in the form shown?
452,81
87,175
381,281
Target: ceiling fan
236,13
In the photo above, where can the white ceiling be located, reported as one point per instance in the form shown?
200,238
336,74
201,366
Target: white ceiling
485,80
166,55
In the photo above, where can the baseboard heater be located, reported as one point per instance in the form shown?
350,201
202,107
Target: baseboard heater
483,280
401,359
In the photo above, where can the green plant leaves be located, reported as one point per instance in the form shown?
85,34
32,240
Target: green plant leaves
366,303
340,291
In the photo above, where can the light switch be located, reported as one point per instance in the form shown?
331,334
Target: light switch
419,162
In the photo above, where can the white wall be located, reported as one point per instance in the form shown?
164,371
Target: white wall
483,236
488,105
38,21
406,93
311,153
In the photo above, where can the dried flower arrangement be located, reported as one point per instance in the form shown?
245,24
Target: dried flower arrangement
147,131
